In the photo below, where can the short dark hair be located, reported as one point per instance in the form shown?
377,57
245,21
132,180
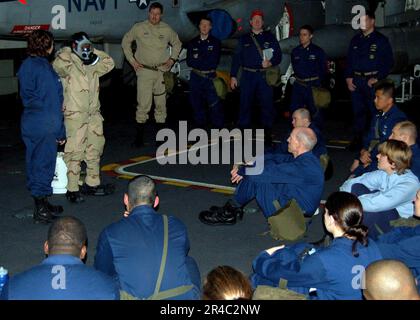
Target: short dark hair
39,41
141,190
347,211
371,14
307,27
66,235
156,5
387,87
207,18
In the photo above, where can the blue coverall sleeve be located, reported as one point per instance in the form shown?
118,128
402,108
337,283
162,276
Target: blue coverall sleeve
236,59
398,234
406,251
280,173
386,59
310,273
104,257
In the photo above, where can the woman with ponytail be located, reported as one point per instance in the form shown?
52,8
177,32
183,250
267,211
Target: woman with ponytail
331,273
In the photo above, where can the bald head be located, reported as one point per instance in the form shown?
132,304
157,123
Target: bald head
405,131
301,140
66,235
390,280
141,191
307,138
301,118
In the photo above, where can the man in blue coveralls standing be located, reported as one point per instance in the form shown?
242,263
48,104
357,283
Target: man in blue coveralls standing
203,56
255,60
370,59
309,65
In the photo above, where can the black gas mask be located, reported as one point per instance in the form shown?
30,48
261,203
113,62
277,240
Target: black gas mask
83,48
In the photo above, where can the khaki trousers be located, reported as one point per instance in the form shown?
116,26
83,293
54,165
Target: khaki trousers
85,142
150,85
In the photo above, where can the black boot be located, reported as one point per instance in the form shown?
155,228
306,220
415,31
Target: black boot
55,210
226,215
139,142
41,212
74,196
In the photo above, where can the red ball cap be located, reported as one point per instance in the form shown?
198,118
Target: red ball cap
257,12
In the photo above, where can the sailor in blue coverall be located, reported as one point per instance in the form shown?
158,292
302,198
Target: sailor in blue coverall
62,275
402,244
297,176
331,273
310,66
387,116
130,250
42,123
369,59
203,56
253,80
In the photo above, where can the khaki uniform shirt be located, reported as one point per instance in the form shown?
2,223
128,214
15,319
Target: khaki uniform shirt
152,43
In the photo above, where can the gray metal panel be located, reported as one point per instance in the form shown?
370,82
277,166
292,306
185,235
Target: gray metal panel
8,85
6,68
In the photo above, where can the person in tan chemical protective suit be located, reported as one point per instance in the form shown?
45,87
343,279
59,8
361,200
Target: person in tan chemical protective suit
80,68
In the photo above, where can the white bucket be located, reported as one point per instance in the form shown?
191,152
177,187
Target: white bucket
59,183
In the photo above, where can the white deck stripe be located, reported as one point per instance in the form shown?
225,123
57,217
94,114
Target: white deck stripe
122,170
